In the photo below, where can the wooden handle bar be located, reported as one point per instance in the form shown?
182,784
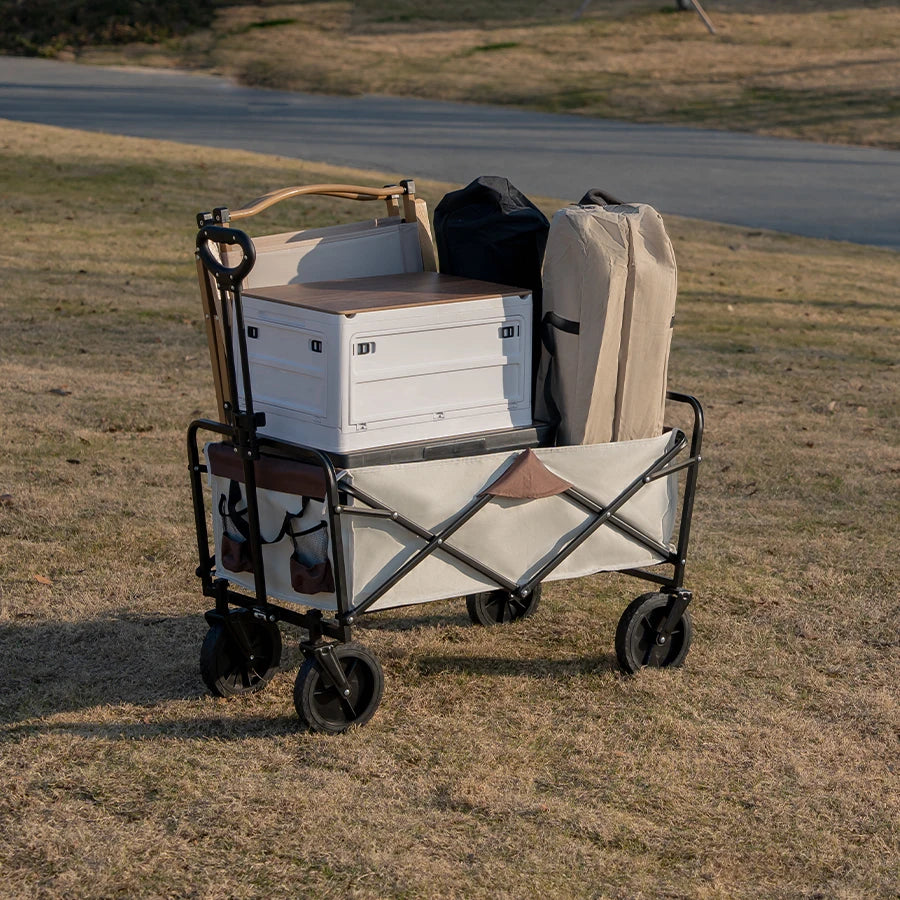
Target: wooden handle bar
345,191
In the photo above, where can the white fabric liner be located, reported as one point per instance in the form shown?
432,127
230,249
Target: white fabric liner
378,247
514,537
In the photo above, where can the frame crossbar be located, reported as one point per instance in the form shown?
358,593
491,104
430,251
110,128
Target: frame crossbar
600,515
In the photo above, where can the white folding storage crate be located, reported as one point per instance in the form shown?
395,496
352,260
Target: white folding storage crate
356,363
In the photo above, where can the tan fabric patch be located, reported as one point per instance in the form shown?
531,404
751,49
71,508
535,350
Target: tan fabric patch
527,479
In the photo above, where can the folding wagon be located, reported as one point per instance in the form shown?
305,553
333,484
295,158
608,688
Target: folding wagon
422,481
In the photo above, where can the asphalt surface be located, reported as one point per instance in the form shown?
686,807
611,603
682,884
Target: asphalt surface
819,190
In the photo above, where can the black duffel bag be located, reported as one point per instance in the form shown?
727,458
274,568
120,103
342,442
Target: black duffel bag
491,231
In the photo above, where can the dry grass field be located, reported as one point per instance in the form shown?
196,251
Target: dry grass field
509,762
827,70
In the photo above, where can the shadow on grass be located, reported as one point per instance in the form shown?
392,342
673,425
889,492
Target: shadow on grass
541,667
128,669
224,727
132,667
50,668
403,620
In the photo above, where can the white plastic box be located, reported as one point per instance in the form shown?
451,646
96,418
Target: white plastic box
368,362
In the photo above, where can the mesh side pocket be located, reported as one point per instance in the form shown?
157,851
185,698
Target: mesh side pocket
236,556
310,566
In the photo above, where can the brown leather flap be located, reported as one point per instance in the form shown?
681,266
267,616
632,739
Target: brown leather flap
272,472
527,479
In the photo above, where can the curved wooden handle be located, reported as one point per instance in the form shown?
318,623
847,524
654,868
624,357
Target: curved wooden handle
345,191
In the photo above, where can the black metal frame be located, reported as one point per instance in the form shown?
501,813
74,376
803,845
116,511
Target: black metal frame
241,431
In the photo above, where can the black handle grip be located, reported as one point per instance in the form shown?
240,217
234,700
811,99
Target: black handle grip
231,276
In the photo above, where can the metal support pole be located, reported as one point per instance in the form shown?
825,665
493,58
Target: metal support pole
685,4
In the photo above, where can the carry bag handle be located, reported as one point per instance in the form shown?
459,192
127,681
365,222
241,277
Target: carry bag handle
550,322
599,197
227,277
400,200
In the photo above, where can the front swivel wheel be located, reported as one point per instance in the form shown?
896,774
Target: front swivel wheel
326,706
641,640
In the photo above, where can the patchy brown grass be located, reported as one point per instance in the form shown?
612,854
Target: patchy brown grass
509,762
825,70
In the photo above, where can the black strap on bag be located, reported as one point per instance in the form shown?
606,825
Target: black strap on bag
549,325
547,336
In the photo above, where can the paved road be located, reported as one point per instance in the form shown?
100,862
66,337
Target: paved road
845,193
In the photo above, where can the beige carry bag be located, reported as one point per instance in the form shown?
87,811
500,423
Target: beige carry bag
609,302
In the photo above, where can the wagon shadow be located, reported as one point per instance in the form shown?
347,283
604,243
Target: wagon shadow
403,620
540,667
142,663
224,727
50,668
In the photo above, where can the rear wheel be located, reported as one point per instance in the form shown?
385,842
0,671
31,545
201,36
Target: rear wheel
322,706
640,633
497,607
227,668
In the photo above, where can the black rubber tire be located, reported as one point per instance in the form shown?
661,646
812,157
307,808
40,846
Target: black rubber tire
223,667
499,607
319,704
637,630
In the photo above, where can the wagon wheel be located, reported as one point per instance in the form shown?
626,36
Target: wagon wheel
639,632
227,670
323,707
497,607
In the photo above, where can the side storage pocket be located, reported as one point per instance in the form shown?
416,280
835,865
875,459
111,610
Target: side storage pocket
235,551
310,566
236,556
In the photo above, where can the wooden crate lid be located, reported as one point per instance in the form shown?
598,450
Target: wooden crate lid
348,296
